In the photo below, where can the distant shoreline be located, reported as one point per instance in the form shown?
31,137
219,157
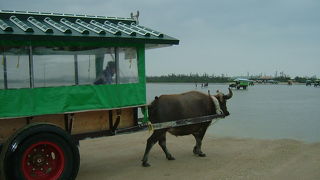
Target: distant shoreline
280,83
205,78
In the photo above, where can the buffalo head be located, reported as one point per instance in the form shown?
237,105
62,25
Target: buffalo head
223,101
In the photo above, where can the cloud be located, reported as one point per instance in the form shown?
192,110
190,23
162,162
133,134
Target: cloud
229,36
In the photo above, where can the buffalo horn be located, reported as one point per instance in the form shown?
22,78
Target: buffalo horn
228,96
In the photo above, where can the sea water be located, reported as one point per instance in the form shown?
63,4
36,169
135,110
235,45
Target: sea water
262,111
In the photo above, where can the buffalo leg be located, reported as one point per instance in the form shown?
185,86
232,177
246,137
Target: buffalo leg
162,143
156,135
199,136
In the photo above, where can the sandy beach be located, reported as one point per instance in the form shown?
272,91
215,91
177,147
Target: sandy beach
119,158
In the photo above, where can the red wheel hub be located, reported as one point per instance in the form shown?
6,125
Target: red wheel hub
43,161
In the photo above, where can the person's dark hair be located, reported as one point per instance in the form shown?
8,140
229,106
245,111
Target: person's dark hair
111,64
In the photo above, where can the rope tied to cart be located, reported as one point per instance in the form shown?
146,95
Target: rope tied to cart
145,119
18,63
3,58
150,127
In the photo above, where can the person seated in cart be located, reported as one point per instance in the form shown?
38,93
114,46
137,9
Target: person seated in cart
106,75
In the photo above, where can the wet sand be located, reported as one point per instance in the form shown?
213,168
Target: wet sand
119,158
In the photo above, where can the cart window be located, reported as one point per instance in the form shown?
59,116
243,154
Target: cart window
53,67
86,65
128,65
110,70
103,67
66,66
16,63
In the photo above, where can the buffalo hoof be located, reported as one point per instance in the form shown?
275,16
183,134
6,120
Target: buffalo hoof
145,164
198,152
171,158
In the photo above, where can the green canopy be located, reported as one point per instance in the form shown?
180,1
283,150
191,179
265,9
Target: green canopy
28,32
56,29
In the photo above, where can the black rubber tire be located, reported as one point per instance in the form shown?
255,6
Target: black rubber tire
11,159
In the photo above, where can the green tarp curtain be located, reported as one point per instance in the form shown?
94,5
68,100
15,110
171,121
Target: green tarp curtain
55,100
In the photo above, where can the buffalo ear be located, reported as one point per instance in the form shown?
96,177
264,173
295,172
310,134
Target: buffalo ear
156,98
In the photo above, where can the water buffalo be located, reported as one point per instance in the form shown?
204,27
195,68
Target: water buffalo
181,106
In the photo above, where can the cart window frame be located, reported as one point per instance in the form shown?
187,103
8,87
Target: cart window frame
65,66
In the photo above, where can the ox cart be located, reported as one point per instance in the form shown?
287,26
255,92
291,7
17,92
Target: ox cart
240,83
67,77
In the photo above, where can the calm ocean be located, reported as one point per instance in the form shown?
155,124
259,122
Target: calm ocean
261,111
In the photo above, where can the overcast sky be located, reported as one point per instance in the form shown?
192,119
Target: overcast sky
233,37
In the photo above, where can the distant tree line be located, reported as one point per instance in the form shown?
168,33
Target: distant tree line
205,78
282,78
194,78
304,79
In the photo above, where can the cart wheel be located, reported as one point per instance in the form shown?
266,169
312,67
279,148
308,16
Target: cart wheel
40,152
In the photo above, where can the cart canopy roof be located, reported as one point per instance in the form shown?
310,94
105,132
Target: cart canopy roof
242,79
56,29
